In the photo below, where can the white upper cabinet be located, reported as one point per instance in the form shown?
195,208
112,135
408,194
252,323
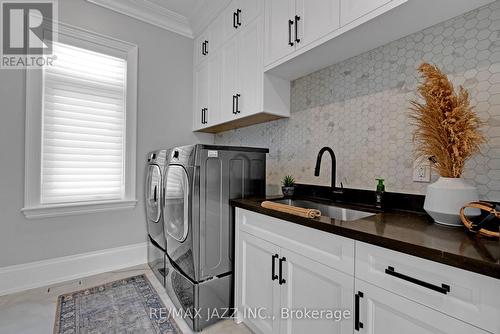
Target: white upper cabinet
201,95
242,73
216,35
279,39
293,24
201,48
208,77
354,9
209,40
250,70
214,89
315,19
236,93
229,78
239,14
229,17
248,11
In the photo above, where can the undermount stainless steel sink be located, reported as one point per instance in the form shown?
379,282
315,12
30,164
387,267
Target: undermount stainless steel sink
331,211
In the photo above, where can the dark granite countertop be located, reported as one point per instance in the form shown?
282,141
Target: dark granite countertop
408,232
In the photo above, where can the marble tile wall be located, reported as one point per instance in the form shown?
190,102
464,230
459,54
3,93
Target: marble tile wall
359,107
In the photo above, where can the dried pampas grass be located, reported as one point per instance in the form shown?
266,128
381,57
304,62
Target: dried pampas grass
447,130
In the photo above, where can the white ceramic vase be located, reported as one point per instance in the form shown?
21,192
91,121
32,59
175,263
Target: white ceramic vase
446,197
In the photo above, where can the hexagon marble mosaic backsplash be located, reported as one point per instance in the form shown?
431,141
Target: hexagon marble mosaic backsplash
359,107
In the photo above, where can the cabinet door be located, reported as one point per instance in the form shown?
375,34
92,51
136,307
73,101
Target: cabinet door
216,34
354,9
229,78
229,18
314,19
383,312
258,291
214,88
198,50
313,286
248,11
201,76
201,45
278,32
250,69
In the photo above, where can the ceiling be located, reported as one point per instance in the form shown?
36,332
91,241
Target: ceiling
185,17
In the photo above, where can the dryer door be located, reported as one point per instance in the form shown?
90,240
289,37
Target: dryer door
153,190
176,203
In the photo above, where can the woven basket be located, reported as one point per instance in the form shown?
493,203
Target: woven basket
483,227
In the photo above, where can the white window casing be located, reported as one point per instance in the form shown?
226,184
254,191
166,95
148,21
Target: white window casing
81,127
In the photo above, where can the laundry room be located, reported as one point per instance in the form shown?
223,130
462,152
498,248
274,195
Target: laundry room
250,166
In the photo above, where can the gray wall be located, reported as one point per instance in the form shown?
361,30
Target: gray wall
164,120
360,108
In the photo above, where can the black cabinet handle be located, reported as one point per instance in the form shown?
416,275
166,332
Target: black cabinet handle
444,288
204,48
273,274
238,22
290,23
237,111
357,324
204,116
234,100
234,20
297,19
281,279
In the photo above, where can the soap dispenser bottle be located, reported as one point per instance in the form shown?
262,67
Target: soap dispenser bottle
379,194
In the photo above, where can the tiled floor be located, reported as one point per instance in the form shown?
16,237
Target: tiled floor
33,311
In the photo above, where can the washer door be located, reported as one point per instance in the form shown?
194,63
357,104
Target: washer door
176,203
153,188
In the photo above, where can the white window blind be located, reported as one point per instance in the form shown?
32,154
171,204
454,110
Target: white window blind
83,127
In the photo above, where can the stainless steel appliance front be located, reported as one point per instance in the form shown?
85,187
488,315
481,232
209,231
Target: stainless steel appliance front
156,164
198,184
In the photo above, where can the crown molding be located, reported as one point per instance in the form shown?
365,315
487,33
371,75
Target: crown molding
149,12
204,13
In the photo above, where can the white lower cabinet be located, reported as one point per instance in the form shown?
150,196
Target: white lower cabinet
284,269
284,292
258,292
383,312
314,287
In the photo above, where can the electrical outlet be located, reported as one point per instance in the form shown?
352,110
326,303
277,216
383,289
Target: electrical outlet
422,171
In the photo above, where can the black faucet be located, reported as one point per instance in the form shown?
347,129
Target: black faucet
334,168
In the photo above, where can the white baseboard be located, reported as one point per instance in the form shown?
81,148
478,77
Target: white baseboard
47,272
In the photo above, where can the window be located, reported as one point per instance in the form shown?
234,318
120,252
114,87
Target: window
80,127
83,127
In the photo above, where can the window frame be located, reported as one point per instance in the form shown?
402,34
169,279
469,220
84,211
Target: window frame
33,145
